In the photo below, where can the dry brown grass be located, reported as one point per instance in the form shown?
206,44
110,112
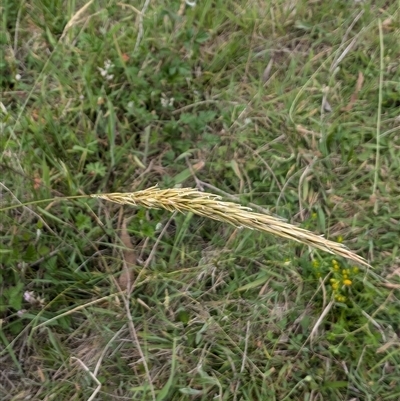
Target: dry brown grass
211,206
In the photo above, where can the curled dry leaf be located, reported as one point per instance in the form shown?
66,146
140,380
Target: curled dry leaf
198,166
326,105
395,272
354,96
182,8
388,24
390,286
267,72
125,280
386,346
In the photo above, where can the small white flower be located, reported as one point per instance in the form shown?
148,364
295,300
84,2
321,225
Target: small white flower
108,65
103,72
247,121
165,102
21,312
40,301
18,77
29,296
131,104
81,97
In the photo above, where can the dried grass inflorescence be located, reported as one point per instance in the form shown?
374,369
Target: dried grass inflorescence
211,206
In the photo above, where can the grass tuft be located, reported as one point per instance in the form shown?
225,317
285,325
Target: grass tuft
289,107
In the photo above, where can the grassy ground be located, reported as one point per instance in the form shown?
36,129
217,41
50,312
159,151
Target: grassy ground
292,106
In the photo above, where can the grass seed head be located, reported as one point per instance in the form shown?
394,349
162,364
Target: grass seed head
211,206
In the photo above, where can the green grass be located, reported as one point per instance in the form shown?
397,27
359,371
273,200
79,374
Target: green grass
257,99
